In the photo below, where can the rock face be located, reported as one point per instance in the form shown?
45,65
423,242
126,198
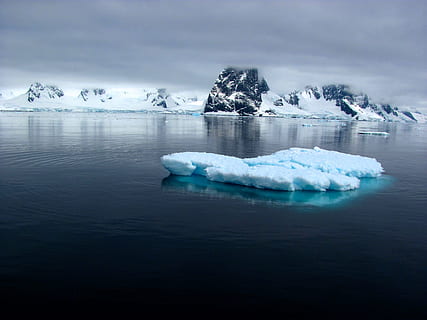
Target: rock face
237,90
343,97
347,101
162,98
38,90
97,93
292,98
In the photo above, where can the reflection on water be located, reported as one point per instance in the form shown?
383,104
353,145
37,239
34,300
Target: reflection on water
201,185
224,132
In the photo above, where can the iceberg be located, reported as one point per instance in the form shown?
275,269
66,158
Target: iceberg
286,170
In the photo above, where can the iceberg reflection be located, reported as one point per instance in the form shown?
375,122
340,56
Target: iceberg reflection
201,185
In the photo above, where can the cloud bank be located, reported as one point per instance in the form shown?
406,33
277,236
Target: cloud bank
376,46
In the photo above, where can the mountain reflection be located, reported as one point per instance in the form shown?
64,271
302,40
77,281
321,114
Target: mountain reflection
201,185
223,132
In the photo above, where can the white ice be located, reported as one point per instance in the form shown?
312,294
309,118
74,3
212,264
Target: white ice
290,170
374,133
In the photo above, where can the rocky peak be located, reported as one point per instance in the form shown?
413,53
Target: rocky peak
161,98
292,98
98,92
38,90
346,99
237,90
313,92
336,92
342,95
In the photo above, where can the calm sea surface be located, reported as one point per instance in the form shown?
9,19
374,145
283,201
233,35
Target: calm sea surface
88,214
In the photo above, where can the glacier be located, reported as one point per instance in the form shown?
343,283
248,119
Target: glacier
286,170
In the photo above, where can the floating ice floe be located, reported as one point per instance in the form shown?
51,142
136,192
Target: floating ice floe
309,125
288,170
374,133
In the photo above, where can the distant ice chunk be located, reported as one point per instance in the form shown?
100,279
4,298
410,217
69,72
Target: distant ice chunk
374,133
289,170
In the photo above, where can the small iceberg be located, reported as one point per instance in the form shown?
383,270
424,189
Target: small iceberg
287,170
374,133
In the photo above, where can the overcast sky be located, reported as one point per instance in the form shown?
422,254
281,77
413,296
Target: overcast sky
379,47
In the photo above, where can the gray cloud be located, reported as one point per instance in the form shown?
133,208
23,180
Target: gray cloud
377,46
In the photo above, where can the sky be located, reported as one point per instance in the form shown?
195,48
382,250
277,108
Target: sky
376,46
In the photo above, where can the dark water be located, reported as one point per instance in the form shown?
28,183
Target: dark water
88,215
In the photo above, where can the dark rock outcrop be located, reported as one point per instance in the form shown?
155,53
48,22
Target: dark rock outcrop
38,90
292,98
313,92
98,92
237,90
342,96
161,98
409,115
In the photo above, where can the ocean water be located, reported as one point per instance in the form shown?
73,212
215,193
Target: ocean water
89,215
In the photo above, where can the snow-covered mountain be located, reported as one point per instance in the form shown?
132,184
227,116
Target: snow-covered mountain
39,91
235,92
333,101
41,97
238,91
96,93
162,98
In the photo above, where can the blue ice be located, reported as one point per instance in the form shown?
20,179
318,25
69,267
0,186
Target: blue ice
288,170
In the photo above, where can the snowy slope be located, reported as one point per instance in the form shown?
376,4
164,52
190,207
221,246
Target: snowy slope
7,94
419,117
273,104
41,97
333,102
